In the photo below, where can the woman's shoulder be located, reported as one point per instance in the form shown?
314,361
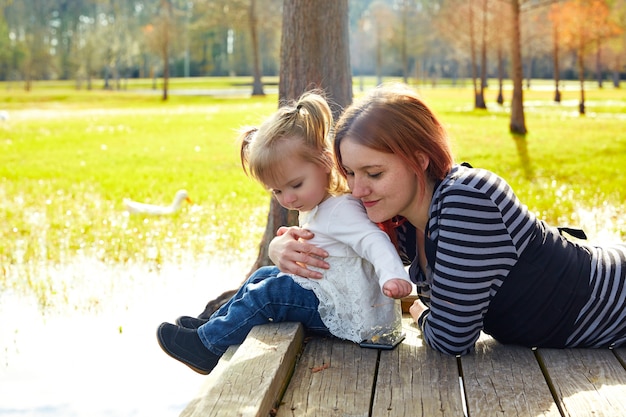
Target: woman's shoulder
465,177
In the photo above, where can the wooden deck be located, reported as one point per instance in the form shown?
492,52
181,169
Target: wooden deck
278,373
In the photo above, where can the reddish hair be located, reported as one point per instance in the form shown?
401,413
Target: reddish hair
393,119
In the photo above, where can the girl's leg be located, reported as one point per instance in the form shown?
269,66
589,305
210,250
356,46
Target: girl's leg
264,298
260,274
256,277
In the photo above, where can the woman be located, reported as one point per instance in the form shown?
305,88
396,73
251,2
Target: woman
483,261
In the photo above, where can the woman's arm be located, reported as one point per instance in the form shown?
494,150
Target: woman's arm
292,254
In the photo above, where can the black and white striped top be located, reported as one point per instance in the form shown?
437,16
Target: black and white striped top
480,232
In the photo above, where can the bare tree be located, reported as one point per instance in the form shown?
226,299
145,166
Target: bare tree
314,54
257,84
517,123
584,24
554,17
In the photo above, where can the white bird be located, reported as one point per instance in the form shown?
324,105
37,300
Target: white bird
133,207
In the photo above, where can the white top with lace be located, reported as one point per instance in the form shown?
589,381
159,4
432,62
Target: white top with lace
362,258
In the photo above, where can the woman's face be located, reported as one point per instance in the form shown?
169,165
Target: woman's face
384,183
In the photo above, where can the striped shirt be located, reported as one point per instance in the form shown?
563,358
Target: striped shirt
479,231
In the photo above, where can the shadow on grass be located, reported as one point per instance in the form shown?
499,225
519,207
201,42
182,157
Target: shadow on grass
522,150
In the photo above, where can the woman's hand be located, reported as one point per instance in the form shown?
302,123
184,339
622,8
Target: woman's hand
397,288
292,254
417,309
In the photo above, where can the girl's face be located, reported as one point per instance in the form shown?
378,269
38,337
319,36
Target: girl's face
300,185
384,183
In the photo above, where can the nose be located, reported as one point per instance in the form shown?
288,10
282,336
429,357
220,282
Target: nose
289,198
358,187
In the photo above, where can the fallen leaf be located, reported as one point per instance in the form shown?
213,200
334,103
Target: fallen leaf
320,368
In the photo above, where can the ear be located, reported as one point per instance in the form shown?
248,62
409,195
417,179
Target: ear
423,160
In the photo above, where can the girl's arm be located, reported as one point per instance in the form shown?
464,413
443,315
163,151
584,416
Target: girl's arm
292,254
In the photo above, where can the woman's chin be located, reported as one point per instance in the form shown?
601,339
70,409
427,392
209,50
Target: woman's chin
376,217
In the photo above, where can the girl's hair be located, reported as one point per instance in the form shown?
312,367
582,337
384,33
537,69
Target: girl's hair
393,119
306,122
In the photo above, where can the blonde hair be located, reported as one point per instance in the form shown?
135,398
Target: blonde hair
308,121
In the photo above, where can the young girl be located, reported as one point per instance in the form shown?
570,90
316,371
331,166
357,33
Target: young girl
291,155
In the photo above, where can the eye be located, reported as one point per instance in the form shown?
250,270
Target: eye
276,192
374,174
298,185
348,172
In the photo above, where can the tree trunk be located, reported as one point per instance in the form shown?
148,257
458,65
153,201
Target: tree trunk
480,99
314,54
165,46
257,84
500,98
599,75
581,79
518,123
555,60
473,52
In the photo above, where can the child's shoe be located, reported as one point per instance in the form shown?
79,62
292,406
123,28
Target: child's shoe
185,345
190,322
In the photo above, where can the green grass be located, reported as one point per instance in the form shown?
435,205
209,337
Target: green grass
68,158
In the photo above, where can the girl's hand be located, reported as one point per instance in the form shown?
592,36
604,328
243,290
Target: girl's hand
397,288
417,309
292,254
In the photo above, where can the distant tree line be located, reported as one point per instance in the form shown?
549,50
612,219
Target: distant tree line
113,40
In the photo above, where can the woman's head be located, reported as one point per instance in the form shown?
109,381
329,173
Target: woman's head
392,125
393,119
297,134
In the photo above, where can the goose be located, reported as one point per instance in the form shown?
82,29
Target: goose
134,207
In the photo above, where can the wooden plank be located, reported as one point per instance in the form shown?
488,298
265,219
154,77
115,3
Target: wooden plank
620,353
250,382
415,380
332,378
587,382
505,380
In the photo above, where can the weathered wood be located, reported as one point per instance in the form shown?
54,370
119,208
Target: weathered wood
249,380
586,382
505,381
332,378
620,354
415,380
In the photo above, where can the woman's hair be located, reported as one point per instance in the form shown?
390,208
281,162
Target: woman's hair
393,119
301,128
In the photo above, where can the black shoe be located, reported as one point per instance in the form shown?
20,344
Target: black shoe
185,345
190,322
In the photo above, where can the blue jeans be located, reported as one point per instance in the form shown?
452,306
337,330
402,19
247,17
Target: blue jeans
263,298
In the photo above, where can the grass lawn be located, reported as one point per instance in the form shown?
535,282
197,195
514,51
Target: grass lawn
68,158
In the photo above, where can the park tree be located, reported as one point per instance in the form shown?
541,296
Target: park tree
30,22
616,47
517,124
556,43
314,55
472,16
584,25
501,12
